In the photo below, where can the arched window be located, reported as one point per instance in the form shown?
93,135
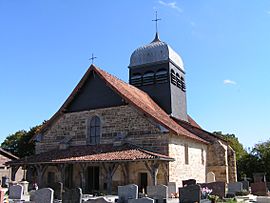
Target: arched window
162,76
183,85
173,77
148,78
136,79
93,132
178,81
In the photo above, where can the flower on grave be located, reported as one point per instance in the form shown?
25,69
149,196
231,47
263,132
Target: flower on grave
205,192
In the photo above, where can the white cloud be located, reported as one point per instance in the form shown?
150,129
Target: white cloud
171,5
229,82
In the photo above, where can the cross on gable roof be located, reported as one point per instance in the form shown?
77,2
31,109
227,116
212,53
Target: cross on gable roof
132,95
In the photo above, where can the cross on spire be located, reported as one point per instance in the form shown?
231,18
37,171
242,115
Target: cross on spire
93,58
156,20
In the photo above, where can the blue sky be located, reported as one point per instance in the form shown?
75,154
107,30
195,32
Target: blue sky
45,46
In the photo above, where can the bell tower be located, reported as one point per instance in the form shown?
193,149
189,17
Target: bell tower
159,71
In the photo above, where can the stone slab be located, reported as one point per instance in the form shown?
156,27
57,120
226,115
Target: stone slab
235,187
127,192
157,192
171,189
44,195
191,193
188,182
259,188
142,200
15,192
218,188
72,196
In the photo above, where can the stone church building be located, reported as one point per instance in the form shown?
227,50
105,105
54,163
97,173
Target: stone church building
110,133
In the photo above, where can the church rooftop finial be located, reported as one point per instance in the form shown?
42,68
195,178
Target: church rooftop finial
93,58
156,20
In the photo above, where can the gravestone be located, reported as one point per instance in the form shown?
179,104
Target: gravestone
58,190
235,187
210,177
245,185
142,200
218,188
190,194
2,194
188,182
127,192
259,188
259,177
44,195
25,185
171,188
157,191
72,196
15,192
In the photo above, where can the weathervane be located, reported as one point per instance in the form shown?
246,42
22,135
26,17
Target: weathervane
156,20
93,58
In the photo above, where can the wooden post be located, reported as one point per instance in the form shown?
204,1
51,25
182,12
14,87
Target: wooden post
41,168
110,169
82,176
61,169
153,169
14,170
125,170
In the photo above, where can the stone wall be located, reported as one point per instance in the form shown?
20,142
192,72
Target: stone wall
217,161
232,165
196,167
124,120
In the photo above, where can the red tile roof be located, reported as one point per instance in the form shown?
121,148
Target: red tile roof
93,153
134,96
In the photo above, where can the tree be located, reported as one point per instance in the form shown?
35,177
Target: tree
19,143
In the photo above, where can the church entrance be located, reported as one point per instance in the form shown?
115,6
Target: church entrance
142,182
92,179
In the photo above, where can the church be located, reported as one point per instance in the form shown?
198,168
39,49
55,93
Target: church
110,133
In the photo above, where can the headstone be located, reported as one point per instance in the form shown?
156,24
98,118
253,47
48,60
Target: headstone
127,192
72,196
189,182
259,188
142,200
171,188
5,181
15,192
158,192
210,177
58,190
218,188
235,187
245,185
190,194
259,177
25,185
44,195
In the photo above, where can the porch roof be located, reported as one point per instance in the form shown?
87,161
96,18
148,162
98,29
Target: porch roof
93,153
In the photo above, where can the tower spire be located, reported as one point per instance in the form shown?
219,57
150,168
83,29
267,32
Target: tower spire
156,20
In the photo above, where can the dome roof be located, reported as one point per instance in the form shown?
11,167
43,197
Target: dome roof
154,52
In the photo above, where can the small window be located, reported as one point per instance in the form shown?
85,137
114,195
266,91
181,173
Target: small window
173,77
148,78
93,133
202,156
161,76
186,154
183,85
136,79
